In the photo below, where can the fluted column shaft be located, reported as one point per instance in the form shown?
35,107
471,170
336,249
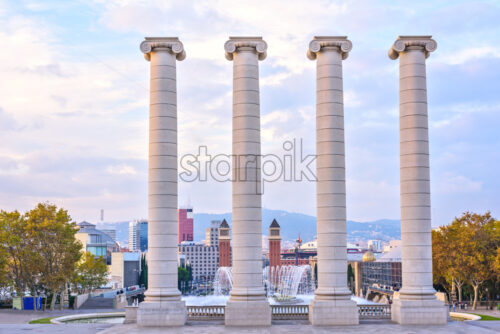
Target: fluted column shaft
162,171
330,166
162,184
414,170
247,203
331,304
247,305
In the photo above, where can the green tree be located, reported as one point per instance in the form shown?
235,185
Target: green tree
22,267
54,246
441,261
91,273
479,241
182,276
466,251
143,277
350,277
497,262
4,278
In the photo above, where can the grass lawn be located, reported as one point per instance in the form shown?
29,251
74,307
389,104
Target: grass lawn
486,317
47,321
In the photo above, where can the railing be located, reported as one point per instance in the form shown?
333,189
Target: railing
131,293
289,312
286,312
374,311
205,312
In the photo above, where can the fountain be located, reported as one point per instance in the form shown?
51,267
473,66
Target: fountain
282,283
223,281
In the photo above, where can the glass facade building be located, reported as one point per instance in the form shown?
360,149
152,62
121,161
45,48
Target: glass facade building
142,228
386,275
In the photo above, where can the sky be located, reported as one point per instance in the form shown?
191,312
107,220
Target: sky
74,100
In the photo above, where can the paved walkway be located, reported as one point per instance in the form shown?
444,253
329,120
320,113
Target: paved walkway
285,327
16,322
56,329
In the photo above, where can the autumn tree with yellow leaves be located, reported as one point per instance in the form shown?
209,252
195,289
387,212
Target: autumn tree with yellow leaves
39,250
467,251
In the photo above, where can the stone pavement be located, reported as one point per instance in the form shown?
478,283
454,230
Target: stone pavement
486,327
53,329
301,327
16,322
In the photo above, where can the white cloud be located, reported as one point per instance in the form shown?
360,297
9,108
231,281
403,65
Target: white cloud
121,170
74,113
451,183
279,116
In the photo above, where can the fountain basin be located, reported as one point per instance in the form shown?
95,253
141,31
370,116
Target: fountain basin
108,317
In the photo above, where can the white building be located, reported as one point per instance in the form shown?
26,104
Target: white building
203,257
125,269
392,244
375,245
133,240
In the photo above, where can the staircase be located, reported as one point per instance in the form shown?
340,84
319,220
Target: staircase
97,303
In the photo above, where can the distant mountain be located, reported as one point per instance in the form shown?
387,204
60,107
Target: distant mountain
121,230
294,223
291,225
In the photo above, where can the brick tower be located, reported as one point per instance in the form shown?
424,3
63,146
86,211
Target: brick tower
224,245
274,244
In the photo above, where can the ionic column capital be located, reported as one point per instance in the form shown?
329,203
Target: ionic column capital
340,42
172,43
234,43
426,43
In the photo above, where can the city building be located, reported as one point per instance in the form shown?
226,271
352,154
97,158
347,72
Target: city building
125,269
203,257
185,220
299,254
224,244
111,233
96,241
142,228
274,244
375,245
212,233
378,272
392,245
138,235
133,241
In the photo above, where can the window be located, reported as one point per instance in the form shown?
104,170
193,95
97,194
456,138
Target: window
95,239
97,251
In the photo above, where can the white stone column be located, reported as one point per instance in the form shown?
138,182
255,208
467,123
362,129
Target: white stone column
247,305
332,303
417,303
163,305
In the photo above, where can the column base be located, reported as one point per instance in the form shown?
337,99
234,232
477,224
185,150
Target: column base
130,315
247,313
333,312
162,314
419,312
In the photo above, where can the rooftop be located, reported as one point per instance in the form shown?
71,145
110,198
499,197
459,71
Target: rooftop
274,224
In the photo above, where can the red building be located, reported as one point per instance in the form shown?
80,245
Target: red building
292,261
274,244
224,245
185,225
